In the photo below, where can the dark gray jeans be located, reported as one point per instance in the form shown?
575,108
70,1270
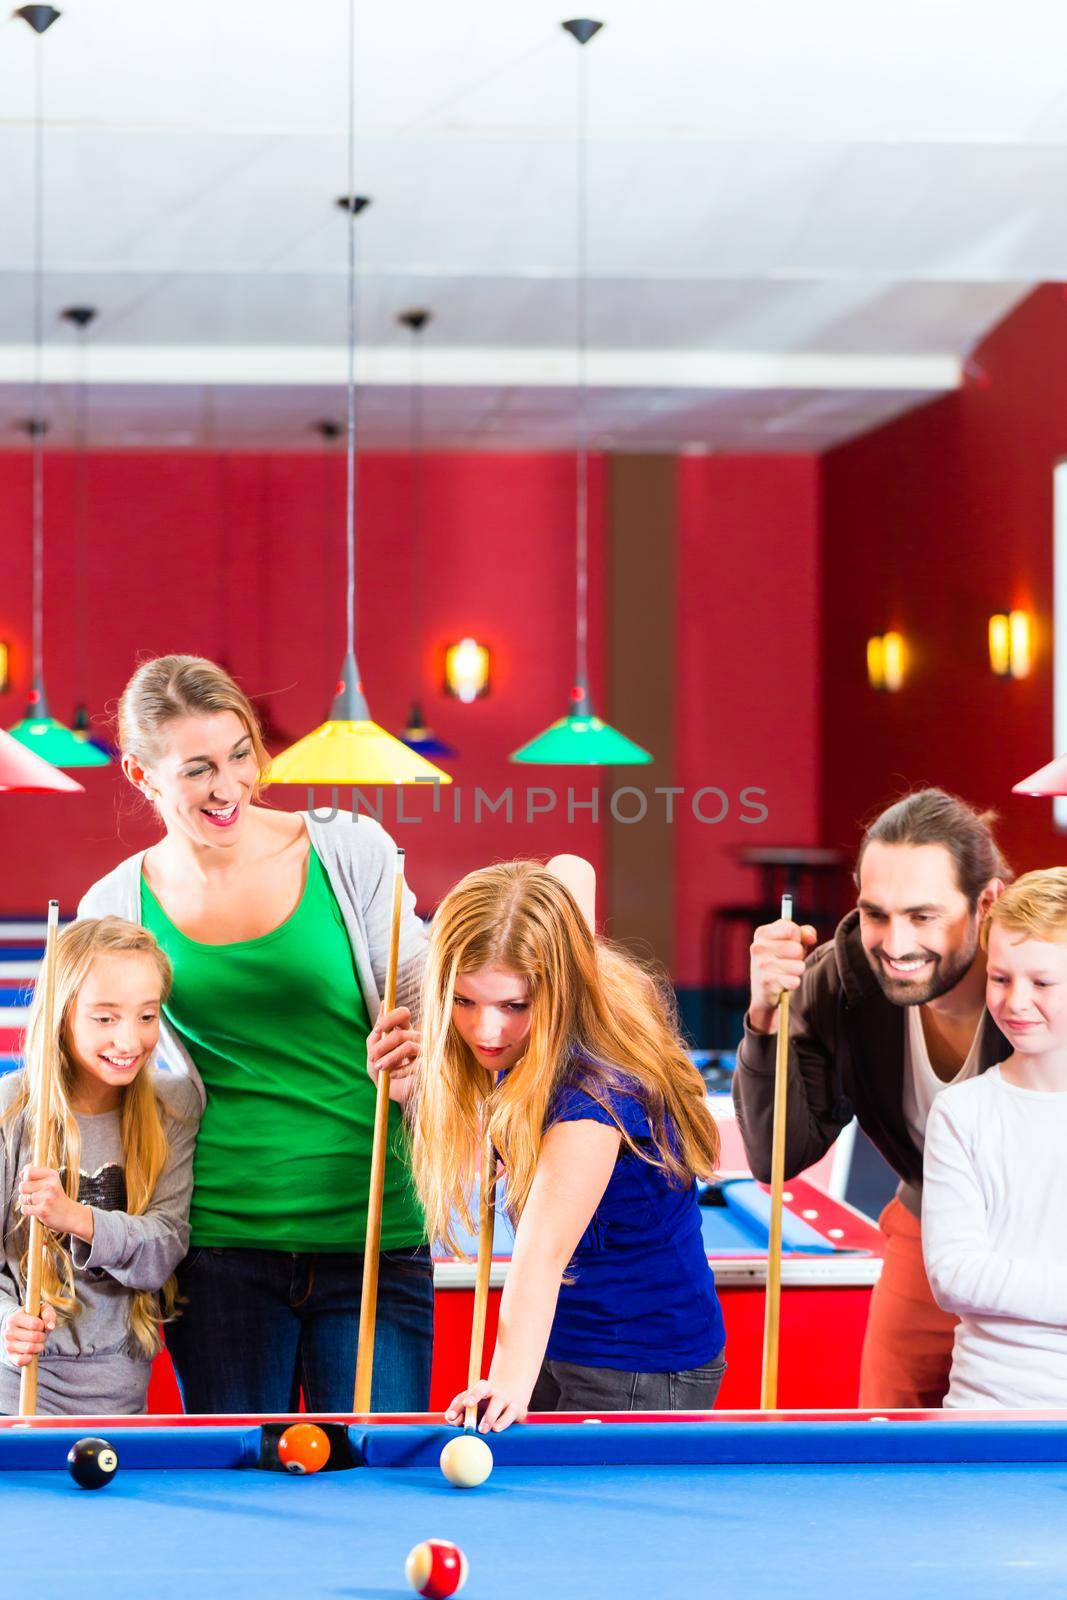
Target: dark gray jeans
563,1386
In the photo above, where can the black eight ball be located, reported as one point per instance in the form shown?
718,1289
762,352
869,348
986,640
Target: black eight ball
92,1463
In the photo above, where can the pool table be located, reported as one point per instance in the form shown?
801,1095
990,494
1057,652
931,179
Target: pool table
649,1508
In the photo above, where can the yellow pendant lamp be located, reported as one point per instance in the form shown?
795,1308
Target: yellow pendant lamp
350,749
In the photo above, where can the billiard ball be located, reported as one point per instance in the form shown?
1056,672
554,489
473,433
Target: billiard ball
466,1461
92,1463
436,1569
303,1448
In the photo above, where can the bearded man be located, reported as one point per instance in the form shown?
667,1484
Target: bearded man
882,1018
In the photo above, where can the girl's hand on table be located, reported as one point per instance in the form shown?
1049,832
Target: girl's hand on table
499,1404
24,1335
393,1047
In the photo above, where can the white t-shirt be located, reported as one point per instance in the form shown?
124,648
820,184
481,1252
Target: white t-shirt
921,1083
993,1225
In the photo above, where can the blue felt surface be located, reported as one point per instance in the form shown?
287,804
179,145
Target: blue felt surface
630,1532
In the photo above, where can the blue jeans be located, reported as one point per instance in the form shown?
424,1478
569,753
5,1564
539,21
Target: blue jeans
565,1386
259,1326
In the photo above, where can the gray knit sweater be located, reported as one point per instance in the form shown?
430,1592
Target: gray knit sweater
88,1363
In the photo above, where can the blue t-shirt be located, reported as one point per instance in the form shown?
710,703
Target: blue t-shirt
642,1295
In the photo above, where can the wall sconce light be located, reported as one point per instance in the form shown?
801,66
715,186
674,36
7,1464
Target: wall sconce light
886,661
5,674
1010,644
467,670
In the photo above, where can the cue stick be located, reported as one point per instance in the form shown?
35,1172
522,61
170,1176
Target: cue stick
773,1307
35,1254
486,1221
368,1303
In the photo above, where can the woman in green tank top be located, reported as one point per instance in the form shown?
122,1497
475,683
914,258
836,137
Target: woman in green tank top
276,925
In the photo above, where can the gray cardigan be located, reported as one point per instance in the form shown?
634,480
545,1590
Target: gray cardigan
359,858
88,1363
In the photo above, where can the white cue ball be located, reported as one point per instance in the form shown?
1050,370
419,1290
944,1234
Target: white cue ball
466,1461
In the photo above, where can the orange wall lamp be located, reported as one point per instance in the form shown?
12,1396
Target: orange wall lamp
887,661
1011,636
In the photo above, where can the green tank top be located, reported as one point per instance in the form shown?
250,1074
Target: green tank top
277,1027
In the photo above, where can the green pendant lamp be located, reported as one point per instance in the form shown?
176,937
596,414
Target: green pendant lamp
39,731
416,734
581,738
350,749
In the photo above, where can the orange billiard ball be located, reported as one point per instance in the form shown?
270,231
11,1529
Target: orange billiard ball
303,1448
436,1569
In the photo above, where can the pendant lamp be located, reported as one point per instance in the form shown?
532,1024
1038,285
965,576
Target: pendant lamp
1047,782
416,735
581,738
350,749
21,772
39,731
80,319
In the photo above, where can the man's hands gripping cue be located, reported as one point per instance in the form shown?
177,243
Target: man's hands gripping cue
777,965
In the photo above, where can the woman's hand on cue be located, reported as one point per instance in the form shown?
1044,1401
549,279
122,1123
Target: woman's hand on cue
393,1047
499,1404
24,1335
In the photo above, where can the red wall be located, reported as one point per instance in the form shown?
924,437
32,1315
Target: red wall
930,525
241,558
748,672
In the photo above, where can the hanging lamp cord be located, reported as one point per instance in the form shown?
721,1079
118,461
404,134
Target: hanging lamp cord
81,445
37,420
416,495
350,478
582,464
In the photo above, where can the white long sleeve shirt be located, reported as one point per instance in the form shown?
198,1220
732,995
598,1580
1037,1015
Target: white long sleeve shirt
994,1224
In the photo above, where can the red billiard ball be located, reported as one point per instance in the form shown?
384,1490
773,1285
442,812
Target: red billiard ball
303,1448
436,1569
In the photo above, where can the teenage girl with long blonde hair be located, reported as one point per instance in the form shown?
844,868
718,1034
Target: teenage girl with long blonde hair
113,1192
561,1050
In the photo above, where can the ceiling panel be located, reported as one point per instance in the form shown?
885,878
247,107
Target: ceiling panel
824,179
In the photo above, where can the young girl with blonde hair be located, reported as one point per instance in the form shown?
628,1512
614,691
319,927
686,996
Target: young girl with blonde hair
995,1177
113,1192
560,1050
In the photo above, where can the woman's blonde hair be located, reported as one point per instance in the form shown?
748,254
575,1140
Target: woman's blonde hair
144,1140
169,687
596,1018
1034,906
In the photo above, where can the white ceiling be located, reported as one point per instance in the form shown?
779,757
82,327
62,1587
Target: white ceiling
782,198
